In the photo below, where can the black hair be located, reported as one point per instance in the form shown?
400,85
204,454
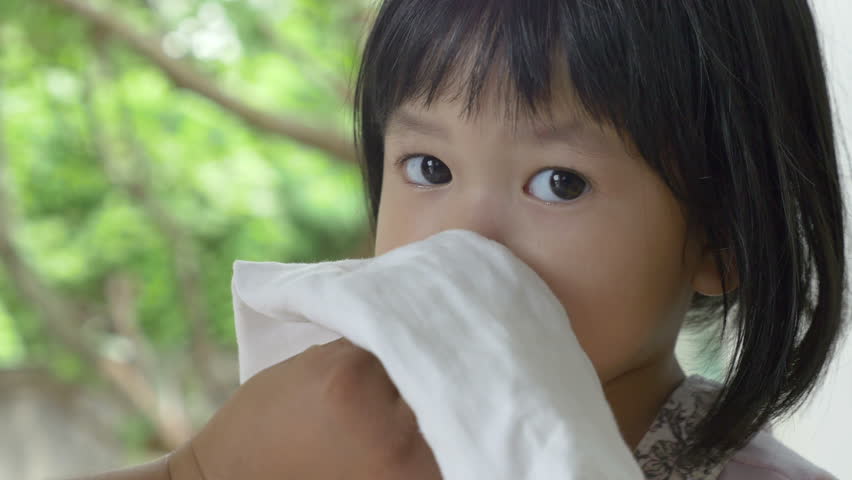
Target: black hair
726,100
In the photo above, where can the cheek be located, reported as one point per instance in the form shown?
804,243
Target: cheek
616,267
388,228
398,222
622,282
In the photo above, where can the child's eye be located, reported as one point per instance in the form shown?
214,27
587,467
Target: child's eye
557,186
426,170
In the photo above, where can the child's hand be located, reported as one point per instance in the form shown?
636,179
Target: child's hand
328,413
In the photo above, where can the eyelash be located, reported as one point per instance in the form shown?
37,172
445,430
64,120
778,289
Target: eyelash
400,162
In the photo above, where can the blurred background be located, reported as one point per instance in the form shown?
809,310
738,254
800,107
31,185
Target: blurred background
144,146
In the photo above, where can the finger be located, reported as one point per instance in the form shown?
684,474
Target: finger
414,458
371,364
357,376
323,356
422,463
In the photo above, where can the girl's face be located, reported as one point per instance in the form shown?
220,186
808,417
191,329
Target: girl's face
572,201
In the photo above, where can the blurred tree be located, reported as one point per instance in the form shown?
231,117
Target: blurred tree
145,145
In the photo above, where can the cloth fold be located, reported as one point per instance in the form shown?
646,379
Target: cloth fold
474,340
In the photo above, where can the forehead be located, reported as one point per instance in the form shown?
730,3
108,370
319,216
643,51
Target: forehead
559,119
438,122
495,97
560,124
497,102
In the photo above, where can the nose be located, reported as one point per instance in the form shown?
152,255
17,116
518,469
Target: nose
477,210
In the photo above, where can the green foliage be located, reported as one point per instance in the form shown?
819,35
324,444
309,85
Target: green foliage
11,345
135,432
106,160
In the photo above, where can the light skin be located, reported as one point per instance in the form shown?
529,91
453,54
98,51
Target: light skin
326,414
616,253
615,250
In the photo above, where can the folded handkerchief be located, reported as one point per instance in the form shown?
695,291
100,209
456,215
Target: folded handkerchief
474,340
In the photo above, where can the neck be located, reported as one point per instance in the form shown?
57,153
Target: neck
636,396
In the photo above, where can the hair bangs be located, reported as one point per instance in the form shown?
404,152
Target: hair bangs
456,51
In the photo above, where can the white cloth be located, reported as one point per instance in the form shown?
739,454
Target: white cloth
473,339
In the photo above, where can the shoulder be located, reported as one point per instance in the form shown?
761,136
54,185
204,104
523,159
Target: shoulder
765,458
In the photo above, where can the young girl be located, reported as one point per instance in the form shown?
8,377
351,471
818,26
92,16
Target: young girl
659,164
656,163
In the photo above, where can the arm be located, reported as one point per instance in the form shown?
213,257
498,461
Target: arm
328,413
178,465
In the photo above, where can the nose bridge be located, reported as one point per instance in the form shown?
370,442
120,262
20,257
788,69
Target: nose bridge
479,207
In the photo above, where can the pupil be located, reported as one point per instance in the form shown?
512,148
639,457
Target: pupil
567,186
435,171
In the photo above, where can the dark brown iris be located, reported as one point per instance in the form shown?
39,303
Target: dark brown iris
435,171
567,185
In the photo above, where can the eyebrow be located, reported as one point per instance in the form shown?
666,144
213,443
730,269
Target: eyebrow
403,121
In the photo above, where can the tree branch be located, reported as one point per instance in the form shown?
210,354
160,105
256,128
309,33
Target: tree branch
340,87
120,295
184,76
185,255
60,316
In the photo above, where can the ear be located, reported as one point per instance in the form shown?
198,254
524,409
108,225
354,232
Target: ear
707,279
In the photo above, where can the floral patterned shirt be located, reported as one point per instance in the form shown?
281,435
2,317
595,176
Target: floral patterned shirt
763,458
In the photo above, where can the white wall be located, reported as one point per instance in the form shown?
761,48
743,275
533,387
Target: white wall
822,431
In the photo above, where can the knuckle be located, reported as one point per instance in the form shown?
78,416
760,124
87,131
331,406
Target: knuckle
402,449
345,378
313,350
324,355
354,392
399,442
405,441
